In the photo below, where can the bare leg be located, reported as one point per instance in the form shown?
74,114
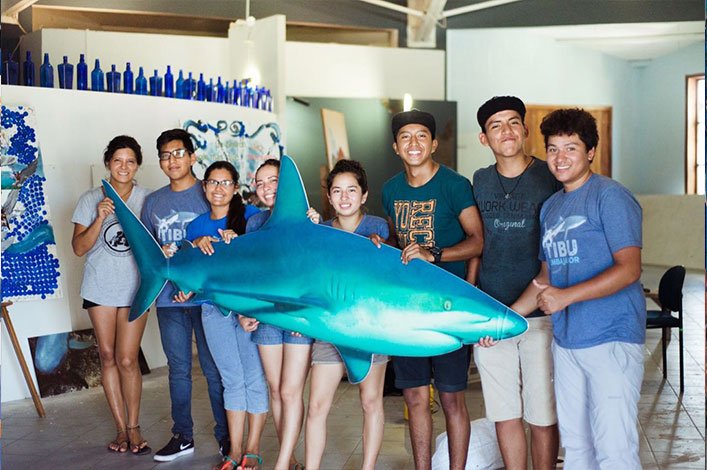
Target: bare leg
324,381
236,421
104,321
458,427
271,358
544,446
420,424
295,365
128,338
256,423
511,441
371,393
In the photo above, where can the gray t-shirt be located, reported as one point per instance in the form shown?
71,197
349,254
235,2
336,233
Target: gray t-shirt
110,275
166,214
511,228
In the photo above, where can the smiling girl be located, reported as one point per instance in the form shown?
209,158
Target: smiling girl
348,189
110,280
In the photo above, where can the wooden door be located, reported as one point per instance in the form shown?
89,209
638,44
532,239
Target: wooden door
535,144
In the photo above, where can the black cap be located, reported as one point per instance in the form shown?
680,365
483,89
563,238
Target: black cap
497,104
414,116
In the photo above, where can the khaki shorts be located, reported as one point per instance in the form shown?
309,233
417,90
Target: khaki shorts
326,353
517,376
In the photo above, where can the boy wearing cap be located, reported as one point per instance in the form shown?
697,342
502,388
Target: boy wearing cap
589,285
516,374
433,217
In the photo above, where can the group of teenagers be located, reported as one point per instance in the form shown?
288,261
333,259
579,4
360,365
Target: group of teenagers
556,242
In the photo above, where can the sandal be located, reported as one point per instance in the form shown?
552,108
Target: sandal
141,447
227,464
246,461
119,445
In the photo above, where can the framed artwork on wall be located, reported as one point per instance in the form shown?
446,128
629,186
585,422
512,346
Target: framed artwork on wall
336,142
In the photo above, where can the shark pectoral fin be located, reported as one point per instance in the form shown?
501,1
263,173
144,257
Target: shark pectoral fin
358,363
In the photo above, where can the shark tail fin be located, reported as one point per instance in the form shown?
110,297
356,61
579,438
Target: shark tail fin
151,261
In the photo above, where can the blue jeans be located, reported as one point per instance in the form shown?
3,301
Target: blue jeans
176,326
238,361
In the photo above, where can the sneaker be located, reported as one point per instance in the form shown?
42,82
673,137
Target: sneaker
224,446
175,448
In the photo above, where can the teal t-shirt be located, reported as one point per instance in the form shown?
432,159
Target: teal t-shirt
429,214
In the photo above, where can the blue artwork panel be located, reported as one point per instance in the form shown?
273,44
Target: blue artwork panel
30,267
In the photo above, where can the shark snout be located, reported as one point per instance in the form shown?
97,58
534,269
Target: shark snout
510,324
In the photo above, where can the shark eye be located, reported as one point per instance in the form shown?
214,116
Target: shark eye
447,305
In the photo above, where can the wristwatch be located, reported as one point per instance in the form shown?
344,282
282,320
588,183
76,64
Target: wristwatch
437,253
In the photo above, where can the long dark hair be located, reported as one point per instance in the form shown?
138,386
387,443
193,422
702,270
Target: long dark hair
235,220
122,142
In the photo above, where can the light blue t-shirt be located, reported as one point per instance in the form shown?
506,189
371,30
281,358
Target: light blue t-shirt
166,214
204,225
581,230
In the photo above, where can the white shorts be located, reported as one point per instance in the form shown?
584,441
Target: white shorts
517,376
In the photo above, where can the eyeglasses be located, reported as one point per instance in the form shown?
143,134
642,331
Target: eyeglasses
176,153
216,183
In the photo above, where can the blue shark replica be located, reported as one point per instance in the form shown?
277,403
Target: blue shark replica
325,283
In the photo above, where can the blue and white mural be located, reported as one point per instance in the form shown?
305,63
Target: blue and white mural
232,141
30,267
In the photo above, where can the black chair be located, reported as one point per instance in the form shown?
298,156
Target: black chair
670,300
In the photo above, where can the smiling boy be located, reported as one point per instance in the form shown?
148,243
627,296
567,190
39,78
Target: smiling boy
589,285
433,217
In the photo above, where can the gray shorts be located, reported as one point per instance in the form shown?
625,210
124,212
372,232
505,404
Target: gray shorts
326,353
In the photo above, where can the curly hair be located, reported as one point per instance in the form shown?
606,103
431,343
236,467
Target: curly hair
571,121
122,142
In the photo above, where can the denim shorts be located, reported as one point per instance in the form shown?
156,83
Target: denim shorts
449,371
268,335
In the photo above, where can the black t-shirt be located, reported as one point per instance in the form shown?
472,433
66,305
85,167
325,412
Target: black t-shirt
511,228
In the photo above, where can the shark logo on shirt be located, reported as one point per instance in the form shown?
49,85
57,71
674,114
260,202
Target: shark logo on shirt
173,227
562,251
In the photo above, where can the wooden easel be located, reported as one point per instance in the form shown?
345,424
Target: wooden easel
21,358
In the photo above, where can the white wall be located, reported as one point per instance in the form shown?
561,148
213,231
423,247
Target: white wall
660,107
482,63
344,71
73,128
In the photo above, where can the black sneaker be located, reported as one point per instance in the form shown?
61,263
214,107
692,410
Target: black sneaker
175,448
224,446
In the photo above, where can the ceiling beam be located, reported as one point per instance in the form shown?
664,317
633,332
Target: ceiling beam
476,7
11,10
395,7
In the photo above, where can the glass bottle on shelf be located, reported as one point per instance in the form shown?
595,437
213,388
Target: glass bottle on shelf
113,80
201,88
97,77
81,74
66,74
220,92
46,73
179,92
141,83
155,84
28,70
10,71
128,79
169,83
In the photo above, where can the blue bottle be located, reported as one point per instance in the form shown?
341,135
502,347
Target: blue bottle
236,92
46,73
128,79
201,88
179,92
66,74
269,102
227,94
251,97
81,74
97,78
189,88
141,83
211,91
10,71
169,83
155,84
28,70
113,80
220,92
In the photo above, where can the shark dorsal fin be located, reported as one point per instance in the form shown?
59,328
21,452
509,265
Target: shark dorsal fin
291,202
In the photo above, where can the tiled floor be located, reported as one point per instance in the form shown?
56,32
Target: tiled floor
77,426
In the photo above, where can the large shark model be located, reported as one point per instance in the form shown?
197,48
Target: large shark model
325,283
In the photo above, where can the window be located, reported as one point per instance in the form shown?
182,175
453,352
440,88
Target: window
695,145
